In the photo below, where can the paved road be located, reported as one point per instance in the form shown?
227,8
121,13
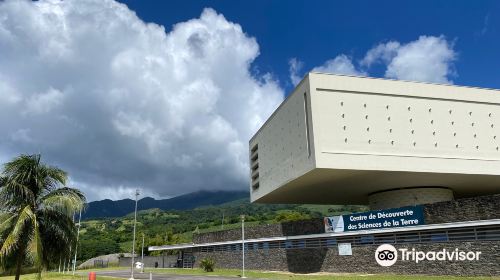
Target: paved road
156,276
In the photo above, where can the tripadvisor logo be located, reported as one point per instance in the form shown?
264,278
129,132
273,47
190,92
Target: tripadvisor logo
387,255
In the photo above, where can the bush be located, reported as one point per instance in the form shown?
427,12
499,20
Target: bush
207,264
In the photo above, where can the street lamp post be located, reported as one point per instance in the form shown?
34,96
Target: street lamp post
77,237
142,254
133,242
243,246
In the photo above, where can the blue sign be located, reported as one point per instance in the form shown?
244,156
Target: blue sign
389,218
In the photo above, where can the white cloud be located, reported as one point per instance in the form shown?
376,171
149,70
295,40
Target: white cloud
382,52
339,65
294,67
486,23
118,102
8,95
44,102
427,59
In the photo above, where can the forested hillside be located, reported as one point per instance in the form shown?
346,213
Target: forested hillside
118,208
112,235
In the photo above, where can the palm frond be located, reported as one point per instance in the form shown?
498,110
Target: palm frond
38,212
6,223
53,176
65,200
35,252
59,233
12,243
58,225
13,193
23,170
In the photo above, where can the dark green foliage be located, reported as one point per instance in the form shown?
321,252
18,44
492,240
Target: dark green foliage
290,216
207,264
95,243
177,226
36,212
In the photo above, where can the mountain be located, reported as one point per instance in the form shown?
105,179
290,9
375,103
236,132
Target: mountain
119,208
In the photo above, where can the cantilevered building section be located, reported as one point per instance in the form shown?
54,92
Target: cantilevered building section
352,140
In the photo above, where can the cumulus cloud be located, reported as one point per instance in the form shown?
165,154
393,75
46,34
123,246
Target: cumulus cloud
44,102
120,103
381,53
294,67
427,59
341,64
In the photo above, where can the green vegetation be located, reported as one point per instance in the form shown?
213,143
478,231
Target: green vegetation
36,211
113,235
315,276
207,264
35,205
258,274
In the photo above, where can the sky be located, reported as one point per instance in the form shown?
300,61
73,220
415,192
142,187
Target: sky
164,95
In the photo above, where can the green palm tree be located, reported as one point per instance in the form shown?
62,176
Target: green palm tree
36,214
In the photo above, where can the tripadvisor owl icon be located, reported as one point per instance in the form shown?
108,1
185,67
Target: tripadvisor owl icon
386,255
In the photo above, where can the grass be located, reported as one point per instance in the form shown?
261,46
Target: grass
315,276
56,276
249,274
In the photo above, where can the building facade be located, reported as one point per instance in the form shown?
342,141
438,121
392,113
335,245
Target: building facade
468,224
384,143
425,157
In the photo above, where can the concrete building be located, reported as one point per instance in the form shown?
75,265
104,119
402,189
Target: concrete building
425,157
466,224
352,140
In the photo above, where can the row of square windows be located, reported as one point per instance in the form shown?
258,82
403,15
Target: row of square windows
413,132
409,109
392,142
411,120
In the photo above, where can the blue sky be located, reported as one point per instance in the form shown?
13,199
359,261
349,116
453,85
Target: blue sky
164,95
315,31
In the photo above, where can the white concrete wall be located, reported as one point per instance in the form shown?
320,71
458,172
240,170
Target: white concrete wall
284,151
405,126
368,135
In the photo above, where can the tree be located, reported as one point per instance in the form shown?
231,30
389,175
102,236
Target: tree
289,216
37,209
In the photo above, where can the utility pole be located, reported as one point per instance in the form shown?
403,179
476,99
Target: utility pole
77,238
142,254
243,245
133,242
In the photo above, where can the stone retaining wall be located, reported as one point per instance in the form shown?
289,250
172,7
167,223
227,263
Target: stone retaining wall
307,260
362,260
273,230
464,209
